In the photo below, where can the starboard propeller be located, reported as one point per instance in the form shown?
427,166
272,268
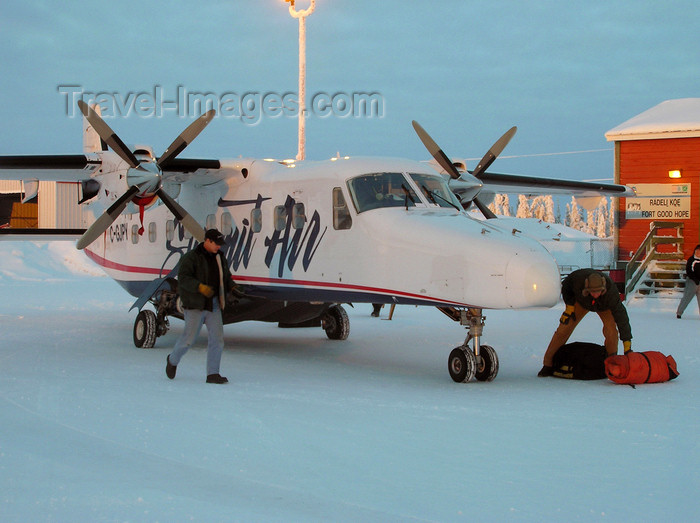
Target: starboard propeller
470,187
143,177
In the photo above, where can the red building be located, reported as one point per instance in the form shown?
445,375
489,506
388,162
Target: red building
658,153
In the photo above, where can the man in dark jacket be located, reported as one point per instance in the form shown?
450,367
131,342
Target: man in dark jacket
587,290
204,280
692,282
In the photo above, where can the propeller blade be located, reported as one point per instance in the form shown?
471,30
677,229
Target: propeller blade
107,134
484,209
448,166
185,218
496,149
186,137
435,151
107,218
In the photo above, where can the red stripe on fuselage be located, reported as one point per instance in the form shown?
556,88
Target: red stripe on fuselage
240,278
107,264
344,286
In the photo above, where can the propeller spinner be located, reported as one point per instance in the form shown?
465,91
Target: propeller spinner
144,177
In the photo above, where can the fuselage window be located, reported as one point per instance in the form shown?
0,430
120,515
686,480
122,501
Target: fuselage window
341,214
298,216
256,220
211,221
280,218
152,232
135,234
372,191
226,224
170,230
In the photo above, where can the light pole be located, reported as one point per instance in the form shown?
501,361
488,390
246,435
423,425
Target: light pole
301,15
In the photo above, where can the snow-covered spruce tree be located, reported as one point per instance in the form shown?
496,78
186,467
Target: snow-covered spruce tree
524,210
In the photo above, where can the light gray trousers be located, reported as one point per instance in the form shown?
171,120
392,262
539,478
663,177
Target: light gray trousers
691,289
194,319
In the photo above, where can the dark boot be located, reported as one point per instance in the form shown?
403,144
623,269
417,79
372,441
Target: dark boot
170,369
216,378
545,371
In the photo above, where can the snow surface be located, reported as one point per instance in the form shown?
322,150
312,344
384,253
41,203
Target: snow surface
309,429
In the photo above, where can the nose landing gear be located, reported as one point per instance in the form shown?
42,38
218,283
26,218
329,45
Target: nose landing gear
464,364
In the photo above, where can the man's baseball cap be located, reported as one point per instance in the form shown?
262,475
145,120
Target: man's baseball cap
215,236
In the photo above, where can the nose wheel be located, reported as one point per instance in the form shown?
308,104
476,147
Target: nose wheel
465,364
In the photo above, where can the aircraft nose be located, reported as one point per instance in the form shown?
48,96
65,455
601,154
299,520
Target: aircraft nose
532,280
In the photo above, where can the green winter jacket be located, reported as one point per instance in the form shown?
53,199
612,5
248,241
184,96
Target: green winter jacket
194,269
572,291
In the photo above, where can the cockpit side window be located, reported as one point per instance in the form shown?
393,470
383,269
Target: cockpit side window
372,191
341,214
435,190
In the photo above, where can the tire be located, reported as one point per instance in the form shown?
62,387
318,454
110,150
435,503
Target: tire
145,329
461,364
487,364
336,323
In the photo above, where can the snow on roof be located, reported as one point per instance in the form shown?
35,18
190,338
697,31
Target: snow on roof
670,119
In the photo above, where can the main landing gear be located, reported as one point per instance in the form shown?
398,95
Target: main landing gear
464,364
150,325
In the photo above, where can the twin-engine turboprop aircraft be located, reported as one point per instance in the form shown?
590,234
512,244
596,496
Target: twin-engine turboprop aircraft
303,237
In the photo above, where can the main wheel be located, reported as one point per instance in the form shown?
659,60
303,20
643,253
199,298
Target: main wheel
145,329
487,363
461,364
336,323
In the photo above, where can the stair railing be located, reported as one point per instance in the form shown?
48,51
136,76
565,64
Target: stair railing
646,253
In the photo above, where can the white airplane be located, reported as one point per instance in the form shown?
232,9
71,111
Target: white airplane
303,237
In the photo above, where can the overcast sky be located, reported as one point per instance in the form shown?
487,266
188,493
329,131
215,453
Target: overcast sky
563,72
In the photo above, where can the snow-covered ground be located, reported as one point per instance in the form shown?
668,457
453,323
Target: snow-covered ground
309,429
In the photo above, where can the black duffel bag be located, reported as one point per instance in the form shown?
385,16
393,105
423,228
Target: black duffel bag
580,361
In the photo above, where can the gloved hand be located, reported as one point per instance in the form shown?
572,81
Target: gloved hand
205,290
627,346
234,295
567,315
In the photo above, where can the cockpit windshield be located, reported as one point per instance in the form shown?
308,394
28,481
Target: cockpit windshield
372,191
436,190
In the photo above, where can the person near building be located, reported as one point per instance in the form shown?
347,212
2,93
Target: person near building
204,281
584,291
692,282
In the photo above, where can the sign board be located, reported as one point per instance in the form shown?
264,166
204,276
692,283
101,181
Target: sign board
659,201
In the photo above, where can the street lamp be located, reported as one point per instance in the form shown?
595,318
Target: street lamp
301,15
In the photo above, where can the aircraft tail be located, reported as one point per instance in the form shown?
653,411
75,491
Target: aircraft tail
92,142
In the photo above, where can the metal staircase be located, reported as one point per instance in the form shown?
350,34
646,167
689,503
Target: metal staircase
650,273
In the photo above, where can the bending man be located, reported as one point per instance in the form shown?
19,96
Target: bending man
587,290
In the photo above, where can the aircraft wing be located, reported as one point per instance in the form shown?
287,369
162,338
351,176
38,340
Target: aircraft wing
504,183
79,167
58,168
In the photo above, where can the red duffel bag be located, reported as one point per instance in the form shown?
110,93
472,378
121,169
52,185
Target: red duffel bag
641,367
